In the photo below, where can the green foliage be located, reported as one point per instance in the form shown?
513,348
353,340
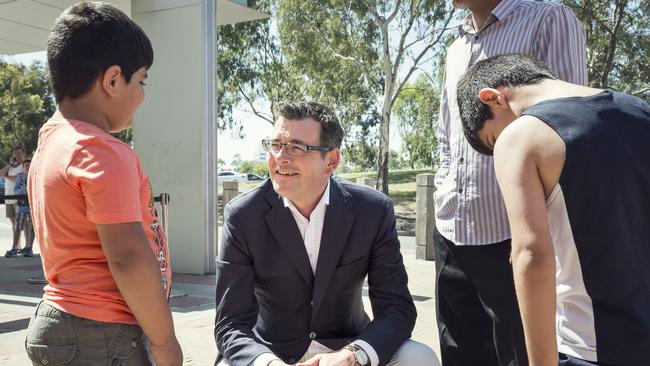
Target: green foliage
26,102
618,43
416,110
364,50
126,136
262,63
255,167
252,70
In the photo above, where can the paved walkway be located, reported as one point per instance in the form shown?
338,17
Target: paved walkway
192,304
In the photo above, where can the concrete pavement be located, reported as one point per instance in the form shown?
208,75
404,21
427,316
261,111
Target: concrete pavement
192,304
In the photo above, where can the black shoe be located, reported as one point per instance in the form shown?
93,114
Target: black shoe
11,253
27,252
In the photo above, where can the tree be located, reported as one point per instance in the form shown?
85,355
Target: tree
26,102
252,71
236,162
255,167
330,78
386,41
260,65
416,111
618,43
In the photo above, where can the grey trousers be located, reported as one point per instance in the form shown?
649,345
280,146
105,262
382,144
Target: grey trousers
58,338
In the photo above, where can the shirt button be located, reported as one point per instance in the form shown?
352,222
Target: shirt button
312,335
461,160
45,360
476,37
311,303
460,190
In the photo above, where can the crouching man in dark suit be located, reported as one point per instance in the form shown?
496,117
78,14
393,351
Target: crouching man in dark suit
293,258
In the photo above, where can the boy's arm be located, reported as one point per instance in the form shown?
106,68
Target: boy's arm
4,171
533,257
137,275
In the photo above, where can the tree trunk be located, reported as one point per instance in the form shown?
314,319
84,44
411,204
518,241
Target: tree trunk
611,50
384,146
384,128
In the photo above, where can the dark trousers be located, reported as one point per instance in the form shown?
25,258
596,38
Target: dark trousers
476,306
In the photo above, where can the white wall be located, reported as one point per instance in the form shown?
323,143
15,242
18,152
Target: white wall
174,133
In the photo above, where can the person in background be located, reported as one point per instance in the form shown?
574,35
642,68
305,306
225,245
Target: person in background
23,216
9,173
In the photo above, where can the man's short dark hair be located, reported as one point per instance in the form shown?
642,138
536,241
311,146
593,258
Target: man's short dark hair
504,70
87,39
331,132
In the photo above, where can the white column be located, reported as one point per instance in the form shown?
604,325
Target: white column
174,131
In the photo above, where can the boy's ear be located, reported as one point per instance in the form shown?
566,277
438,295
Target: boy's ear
492,98
109,80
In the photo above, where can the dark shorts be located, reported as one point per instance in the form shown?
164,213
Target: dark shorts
58,338
10,210
23,221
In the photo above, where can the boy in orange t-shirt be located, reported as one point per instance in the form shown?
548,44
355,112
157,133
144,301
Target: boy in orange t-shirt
104,254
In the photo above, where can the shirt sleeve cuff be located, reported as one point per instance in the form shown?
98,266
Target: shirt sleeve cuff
264,359
372,355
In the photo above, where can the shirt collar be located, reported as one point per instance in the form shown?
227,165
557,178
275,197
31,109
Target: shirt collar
324,200
502,11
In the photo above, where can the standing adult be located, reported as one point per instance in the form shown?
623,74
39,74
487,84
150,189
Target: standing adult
10,172
478,317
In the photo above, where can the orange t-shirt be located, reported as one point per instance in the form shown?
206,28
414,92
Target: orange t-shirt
81,176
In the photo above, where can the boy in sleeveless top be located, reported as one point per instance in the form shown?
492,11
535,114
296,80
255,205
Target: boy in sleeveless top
572,163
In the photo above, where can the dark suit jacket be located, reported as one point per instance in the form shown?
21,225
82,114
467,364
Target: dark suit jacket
269,300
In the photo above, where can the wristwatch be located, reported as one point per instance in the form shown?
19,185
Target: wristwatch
359,354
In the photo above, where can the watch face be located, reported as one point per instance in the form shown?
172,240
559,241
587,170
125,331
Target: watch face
361,357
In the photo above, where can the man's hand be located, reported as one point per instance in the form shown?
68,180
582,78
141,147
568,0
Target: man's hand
343,357
169,354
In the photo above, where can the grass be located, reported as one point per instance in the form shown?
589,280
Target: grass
401,189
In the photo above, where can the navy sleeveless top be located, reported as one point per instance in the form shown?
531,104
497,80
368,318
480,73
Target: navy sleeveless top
606,186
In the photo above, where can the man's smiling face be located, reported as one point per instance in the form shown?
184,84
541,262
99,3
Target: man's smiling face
299,178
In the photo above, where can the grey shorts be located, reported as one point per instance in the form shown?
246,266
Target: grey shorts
58,338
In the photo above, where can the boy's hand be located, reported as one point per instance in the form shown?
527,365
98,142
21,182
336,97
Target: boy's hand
169,354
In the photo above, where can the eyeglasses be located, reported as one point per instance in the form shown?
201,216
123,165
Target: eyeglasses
292,148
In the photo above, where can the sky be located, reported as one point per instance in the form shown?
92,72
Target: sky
228,144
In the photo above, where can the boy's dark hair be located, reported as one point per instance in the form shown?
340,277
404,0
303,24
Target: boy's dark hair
504,70
88,38
331,133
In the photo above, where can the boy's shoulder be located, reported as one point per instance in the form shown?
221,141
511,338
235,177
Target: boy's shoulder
79,135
